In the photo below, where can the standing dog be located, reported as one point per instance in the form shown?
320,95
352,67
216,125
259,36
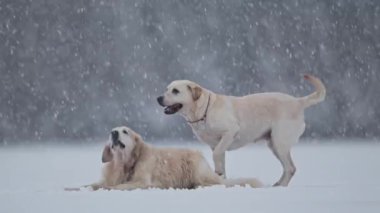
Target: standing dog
228,122
132,164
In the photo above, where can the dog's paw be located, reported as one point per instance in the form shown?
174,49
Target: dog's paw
107,188
221,174
279,184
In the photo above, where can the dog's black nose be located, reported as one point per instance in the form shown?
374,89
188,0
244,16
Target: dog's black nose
114,135
160,100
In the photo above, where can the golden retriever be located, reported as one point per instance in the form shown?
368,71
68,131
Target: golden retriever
130,163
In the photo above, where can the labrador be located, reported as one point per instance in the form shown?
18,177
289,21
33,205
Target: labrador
228,122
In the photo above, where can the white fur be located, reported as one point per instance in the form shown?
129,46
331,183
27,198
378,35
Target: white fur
232,122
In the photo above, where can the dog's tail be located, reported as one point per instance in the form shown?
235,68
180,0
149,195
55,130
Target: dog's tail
252,182
315,97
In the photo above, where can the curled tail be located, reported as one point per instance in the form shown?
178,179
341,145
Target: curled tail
315,97
252,182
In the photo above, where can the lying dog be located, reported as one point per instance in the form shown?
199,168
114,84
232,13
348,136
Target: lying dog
133,164
228,122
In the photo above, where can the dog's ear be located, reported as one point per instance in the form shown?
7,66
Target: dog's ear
107,154
196,91
136,152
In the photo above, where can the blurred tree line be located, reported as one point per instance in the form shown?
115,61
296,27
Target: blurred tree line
73,69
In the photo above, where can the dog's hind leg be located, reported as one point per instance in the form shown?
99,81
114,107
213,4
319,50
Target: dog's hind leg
204,176
282,138
211,180
288,166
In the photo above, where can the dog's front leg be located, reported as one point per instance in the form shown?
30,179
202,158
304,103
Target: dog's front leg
219,162
94,187
130,186
219,151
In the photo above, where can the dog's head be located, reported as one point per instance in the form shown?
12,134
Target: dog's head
122,145
180,95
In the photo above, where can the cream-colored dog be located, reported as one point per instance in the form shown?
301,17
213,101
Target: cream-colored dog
133,164
228,122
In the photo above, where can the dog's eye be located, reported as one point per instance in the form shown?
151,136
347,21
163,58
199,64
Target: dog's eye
125,132
175,91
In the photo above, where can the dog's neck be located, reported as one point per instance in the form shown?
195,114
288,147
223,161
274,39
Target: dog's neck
123,172
130,166
198,112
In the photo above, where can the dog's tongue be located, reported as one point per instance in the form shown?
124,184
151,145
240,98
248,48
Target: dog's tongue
168,110
173,108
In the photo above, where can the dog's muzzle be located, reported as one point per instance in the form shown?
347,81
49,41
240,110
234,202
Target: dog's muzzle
160,101
115,139
114,136
169,109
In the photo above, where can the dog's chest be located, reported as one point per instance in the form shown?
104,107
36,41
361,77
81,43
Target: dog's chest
209,135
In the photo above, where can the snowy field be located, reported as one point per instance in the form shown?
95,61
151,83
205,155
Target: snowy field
331,177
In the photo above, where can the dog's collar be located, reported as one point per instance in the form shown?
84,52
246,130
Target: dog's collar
204,115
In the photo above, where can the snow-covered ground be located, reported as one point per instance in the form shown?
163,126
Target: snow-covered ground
331,177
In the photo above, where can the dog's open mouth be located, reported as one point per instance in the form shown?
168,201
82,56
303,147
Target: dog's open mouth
173,109
116,143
